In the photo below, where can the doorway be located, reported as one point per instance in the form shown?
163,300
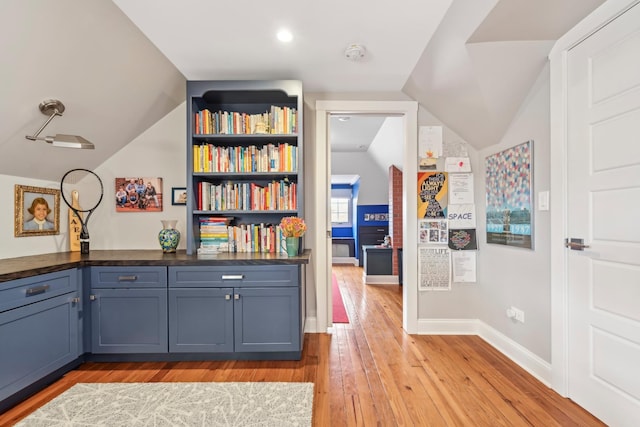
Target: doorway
322,233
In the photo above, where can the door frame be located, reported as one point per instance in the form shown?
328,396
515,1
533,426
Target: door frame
603,15
408,110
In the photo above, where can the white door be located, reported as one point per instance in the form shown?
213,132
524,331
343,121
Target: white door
603,207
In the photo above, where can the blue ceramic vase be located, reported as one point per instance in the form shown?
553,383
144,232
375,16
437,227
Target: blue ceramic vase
169,237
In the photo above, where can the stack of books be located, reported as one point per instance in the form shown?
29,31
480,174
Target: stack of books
214,237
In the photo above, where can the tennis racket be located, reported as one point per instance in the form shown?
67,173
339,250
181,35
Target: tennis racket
87,183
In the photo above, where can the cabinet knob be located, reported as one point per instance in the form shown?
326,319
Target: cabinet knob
75,300
227,297
236,296
92,297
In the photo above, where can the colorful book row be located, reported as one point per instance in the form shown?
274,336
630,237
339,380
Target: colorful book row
280,157
277,195
279,120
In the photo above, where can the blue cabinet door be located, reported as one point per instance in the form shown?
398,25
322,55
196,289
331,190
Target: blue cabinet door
35,340
129,320
267,319
201,320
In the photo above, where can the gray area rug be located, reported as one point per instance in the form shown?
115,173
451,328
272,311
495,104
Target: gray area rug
178,404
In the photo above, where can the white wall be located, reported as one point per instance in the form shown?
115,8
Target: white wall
374,184
520,277
158,152
32,245
506,276
459,302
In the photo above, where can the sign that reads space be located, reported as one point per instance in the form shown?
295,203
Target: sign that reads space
462,216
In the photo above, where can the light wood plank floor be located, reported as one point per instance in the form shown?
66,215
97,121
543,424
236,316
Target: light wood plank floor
370,373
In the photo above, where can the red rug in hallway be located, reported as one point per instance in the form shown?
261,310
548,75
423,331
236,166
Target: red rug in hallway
339,312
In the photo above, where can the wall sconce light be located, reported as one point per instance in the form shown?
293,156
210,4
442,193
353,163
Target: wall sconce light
52,108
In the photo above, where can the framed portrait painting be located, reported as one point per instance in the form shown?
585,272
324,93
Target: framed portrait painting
509,203
37,211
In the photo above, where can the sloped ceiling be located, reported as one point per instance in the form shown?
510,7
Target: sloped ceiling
484,58
112,80
119,66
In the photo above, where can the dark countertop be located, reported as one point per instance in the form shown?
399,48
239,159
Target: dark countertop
376,248
33,265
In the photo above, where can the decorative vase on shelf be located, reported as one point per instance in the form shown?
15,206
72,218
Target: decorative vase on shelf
292,245
169,237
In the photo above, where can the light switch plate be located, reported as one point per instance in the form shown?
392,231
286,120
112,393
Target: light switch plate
543,201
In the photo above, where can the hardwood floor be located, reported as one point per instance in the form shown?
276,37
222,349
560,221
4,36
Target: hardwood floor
370,373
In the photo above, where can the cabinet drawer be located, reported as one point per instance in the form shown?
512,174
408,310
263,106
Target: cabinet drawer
232,276
128,277
16,293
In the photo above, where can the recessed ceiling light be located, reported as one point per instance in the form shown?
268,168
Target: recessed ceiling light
285,35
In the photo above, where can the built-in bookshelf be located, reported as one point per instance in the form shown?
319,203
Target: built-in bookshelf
244,163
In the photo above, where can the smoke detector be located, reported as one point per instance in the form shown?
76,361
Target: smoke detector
354,52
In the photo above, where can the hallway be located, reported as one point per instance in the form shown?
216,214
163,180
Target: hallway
383,376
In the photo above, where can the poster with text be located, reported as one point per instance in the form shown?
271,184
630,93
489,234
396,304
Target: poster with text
432,195
461,216
508,184
434,269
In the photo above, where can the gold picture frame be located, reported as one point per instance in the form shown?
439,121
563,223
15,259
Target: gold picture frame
30,201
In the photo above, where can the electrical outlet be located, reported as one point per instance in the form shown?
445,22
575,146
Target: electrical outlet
518,314
515,314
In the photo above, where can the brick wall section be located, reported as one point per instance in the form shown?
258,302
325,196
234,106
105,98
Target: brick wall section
395,212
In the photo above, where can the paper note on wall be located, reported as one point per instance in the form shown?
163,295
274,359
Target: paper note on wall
461,188
464,266
457,164
429,147
462,216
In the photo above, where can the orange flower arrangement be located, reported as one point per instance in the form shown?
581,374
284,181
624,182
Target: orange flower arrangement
292,226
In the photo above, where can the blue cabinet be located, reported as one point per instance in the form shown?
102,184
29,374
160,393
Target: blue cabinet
129,310
240,309
267,319
201,320
39,326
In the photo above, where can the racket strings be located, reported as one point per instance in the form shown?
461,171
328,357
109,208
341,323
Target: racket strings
87,184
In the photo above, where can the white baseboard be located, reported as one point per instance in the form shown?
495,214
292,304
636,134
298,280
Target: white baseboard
344,260
380,279
311,325
527,360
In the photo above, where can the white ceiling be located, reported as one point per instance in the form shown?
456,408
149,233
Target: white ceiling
471,63
213,40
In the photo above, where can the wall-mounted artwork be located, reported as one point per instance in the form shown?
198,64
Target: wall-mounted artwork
138,194
508,186
432,195
37,211
178,196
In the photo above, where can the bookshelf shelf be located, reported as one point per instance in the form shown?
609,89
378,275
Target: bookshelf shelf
256,175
